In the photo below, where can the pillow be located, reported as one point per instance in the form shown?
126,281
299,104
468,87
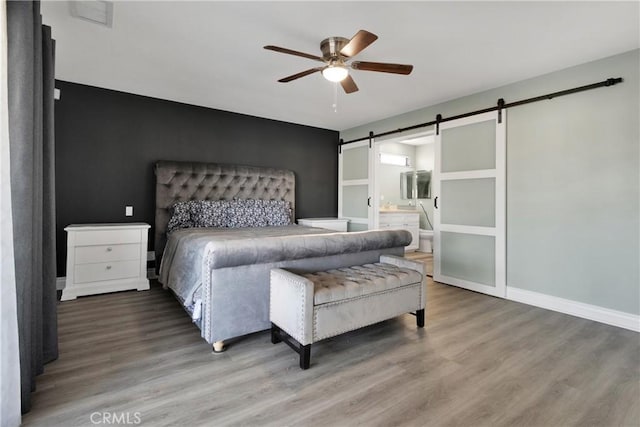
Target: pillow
211,213
246,213
229,213
277,212
181,216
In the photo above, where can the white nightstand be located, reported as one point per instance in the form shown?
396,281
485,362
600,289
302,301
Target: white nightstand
105,258
337,224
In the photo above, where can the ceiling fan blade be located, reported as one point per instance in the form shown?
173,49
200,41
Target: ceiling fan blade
301,74
293,52
358,43
382,67
349,85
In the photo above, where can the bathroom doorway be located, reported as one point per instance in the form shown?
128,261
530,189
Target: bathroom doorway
403,168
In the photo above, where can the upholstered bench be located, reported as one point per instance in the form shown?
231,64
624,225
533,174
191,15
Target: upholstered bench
308,307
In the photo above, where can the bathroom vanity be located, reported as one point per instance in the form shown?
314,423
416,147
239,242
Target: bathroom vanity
401,219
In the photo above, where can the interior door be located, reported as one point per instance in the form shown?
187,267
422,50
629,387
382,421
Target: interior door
469,201
355,185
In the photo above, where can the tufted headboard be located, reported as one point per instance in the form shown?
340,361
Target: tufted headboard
182,181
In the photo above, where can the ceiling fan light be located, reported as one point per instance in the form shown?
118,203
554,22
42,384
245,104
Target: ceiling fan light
335,73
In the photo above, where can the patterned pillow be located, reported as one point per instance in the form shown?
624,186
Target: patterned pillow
211,213
277,212
246,213
229,213
181,216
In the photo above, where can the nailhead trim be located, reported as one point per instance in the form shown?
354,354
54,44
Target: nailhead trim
205,330
298,334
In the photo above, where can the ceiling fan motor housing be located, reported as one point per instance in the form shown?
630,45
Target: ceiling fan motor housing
331,47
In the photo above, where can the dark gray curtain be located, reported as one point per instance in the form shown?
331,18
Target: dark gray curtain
31,145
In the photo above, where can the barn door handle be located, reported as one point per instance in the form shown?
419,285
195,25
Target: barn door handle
435,202
369,201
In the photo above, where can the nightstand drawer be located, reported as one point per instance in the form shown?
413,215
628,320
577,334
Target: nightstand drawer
107,253
107,237
107,271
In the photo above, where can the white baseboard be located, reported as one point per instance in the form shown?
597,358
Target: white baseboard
574,308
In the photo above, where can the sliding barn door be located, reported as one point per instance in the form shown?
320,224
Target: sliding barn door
355,185
469,201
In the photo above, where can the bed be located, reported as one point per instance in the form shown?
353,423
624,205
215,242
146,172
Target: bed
221,274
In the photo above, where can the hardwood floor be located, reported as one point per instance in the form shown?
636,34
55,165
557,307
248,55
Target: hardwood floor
426,258
480,361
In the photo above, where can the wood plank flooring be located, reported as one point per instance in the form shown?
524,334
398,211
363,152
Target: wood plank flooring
480,361
426,258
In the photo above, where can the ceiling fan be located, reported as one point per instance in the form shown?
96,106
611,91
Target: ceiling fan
336,54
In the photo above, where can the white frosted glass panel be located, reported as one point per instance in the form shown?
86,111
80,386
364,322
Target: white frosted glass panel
354,201
357,227
470,147
468,202
355,163
469,257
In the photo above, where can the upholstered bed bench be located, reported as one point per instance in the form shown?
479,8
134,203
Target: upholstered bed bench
308,307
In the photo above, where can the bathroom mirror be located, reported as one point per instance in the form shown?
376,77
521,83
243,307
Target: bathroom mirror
415,185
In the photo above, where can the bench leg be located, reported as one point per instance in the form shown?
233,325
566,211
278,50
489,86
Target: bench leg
278,335
420,318
275,334
305,356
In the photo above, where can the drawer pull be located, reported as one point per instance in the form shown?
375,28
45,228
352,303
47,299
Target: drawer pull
108,267
109,249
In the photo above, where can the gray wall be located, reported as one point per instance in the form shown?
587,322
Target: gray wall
573,181
107,143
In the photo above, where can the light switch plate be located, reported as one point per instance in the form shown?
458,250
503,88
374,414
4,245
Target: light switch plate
128,210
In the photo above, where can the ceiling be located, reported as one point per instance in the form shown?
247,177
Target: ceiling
210,53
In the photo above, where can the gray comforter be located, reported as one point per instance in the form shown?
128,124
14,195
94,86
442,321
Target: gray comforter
184,260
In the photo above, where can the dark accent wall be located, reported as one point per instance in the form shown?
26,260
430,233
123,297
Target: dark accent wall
107,143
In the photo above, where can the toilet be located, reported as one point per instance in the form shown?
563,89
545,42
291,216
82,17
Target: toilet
426,241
